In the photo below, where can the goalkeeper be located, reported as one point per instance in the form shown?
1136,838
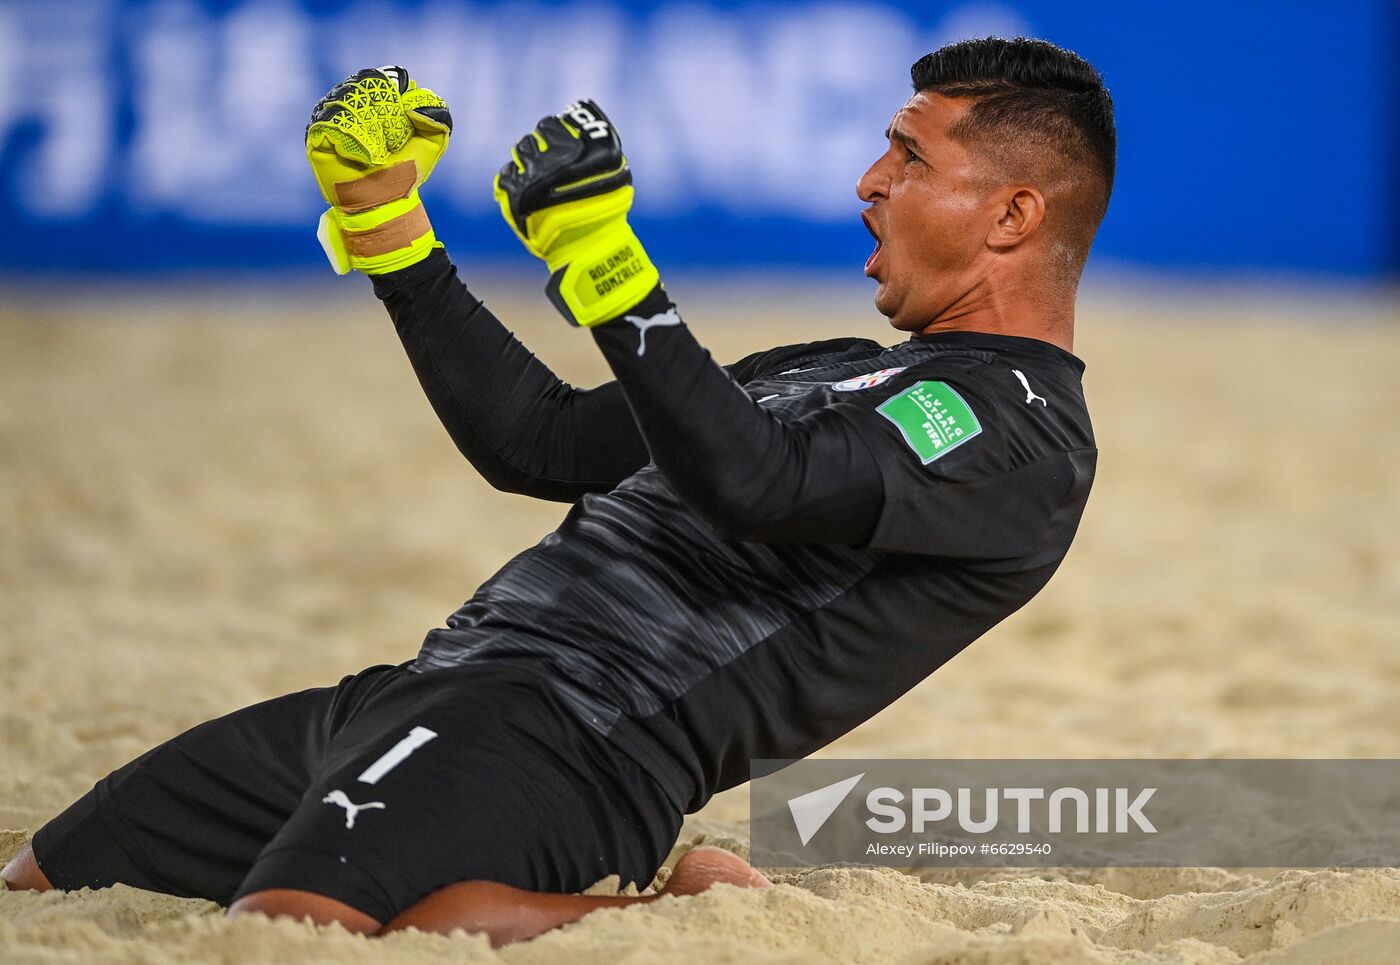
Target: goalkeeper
759,556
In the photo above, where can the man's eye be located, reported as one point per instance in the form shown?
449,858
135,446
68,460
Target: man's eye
913,158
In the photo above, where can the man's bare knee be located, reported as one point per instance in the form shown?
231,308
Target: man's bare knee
307,905
22,873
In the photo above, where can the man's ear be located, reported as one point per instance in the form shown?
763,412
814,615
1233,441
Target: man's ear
1021,214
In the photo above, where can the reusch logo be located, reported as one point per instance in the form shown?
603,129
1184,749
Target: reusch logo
586,119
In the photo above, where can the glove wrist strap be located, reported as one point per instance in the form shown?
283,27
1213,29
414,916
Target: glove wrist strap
383,239
600,277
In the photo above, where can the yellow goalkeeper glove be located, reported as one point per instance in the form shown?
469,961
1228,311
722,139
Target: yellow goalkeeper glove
566,192
371,142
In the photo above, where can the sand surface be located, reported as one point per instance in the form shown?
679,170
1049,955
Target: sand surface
203,505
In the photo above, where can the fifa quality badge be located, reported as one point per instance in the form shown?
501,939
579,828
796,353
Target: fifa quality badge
933,418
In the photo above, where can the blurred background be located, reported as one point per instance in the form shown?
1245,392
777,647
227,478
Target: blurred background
219,480
145,136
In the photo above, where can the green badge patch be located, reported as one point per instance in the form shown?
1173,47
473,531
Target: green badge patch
933,418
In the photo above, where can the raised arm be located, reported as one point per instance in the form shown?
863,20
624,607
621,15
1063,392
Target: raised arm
566,193
373,140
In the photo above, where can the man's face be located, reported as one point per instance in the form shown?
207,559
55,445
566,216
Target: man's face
930,212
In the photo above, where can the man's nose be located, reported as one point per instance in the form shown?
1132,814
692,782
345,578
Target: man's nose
873,184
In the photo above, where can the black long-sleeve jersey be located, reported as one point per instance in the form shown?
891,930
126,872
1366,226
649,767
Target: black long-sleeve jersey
759,556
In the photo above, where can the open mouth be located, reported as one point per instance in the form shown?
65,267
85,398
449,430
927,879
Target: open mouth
879,245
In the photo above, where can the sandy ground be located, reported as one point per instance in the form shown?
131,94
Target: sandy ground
204,506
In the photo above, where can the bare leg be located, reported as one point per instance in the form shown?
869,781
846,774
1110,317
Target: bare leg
506,914
502,913
22,873
304,905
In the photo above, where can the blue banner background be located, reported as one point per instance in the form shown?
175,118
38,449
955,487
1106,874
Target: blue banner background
142,136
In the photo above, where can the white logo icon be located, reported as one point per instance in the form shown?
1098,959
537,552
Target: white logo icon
1030,396
668,317
351,809
586,119
810,810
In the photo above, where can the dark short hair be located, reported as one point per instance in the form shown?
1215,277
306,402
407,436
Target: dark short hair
1030,97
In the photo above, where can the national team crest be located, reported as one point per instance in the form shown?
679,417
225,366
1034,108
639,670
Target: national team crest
867,381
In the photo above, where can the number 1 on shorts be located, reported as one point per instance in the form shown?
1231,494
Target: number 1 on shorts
397,754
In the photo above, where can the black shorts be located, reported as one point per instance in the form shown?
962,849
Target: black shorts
375,793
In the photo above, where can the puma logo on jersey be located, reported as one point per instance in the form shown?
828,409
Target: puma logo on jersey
586,119
1030,395
668,317
351,808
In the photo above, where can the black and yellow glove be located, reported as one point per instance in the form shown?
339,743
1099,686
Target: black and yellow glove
371,142
566,192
